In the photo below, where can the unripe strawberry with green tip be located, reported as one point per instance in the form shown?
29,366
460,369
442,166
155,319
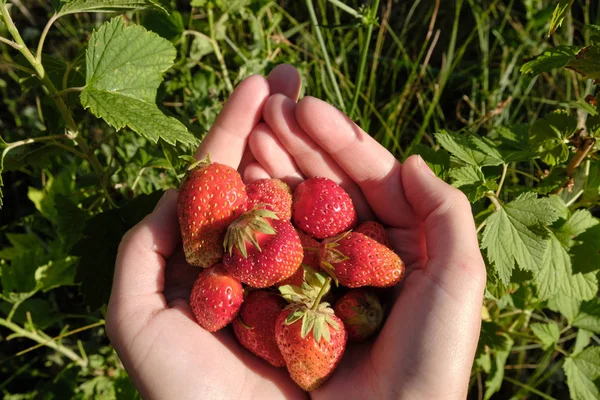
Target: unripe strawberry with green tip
211,196
312,341
361,313
273,194
322,208
255,325
375,231
216,298
356,260
261,249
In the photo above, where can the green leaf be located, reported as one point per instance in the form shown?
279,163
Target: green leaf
78,6
587,62
547,333
496,375
581,286
438,161
509,238
560,12
97,250
547,136
465,149
472,182
581,371
579,222
556,57
589,316
582,340
124,69
586,254
565,305
554,271
201,46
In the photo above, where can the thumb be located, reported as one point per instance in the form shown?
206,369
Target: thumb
450,233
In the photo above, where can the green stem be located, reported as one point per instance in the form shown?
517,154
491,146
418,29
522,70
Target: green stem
529,388
38,56
10,43
62,106
217,50
324,289
70,354
363,59
336,88
35,140
504,169
346,8
492,196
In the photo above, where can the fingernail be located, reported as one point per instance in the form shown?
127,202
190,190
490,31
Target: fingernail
424,166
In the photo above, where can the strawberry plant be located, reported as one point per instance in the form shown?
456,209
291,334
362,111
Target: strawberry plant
104,102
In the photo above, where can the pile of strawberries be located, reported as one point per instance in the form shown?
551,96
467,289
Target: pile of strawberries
269,258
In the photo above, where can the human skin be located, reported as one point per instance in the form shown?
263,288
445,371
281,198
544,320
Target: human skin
427,345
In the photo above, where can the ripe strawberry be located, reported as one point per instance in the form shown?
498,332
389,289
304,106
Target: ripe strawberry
322,208
309,245
273,192
262,250
375,231
356,260
312,342
361,313
255,325
216,298
210,198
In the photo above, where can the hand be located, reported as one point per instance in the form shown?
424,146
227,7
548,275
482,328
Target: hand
427,345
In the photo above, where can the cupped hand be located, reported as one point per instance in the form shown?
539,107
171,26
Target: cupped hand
425,349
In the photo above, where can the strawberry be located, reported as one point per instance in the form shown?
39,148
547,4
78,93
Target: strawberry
262,250
375,231
361,313
322,208
216,298
356,260
210,198
276,194
312,341
255,325
310,247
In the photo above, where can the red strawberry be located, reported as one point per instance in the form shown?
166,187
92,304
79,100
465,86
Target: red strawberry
255,325
356,260
312,342
273,192
361,313
375,231
262,249
310,259
216,298
322,208
210,198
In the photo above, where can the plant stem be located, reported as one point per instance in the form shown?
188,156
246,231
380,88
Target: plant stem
492,196
69,90
315,23
10,43
342,6
363,58
62,106
529,388
70,354
38,56
504,169
218,54
324,289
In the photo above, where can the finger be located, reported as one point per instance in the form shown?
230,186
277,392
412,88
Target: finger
363,159
227,138
450,233
312,160
285,79
247,159
254,172
272,156
139,270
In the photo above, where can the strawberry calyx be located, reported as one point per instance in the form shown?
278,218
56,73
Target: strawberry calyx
316,318
307,294
193,163
329,255
246,227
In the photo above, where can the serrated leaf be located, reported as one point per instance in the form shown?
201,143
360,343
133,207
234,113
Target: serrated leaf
560,12
565,305
556,57
554,271
97,249
547,136
547,333
465,149
586,254
509,238
578,222
79,6
581,371
587,62
124,69
471,181
589,316
581,286
496,375
582,340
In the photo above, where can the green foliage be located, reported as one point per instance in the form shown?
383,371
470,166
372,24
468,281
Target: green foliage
106,118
